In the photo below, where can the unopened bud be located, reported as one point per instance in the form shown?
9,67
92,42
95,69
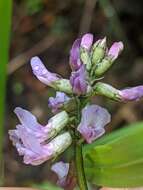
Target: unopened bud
115,50
85,46
107,90
85,57
86,41
103,66
109,59
98,51
57,123
60,143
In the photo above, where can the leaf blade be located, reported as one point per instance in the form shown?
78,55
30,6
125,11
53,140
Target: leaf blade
116,160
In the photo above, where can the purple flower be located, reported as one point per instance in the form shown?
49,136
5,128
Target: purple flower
29,146
134,93
34,151
61,169
93,120
51,79
58,101
84,42
30,123
75,62
42,73
30,137
115,50
78,81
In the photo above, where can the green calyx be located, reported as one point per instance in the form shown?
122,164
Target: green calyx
85,58
107,91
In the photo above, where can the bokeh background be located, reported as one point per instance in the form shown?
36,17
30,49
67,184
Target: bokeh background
47,28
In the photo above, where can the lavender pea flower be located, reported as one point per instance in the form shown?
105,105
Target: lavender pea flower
58,101
42,73
34,152
61,169
75,62
51,79
30,123
85,42
115,50
134,93
98,50
78,81
93,120
109,59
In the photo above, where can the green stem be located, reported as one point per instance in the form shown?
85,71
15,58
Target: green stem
80,167
78,154
5,23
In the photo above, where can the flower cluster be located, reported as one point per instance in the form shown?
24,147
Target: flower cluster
89,61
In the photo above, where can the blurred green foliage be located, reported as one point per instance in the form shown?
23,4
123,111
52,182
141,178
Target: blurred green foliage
116,160
33,6
60,26
5,20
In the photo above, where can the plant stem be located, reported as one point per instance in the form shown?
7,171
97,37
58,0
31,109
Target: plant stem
80,167
78,153
5,22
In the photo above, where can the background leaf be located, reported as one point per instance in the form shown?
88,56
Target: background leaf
116,160
5,19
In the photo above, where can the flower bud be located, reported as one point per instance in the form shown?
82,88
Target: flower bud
109,59
57,123
86,43
75,62
85,58
115,50
107,90
102,67
78,81
60,143
98,51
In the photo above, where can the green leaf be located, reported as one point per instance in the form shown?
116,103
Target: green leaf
5,19
116,160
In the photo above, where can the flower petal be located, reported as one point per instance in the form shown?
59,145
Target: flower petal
93,120
75,62
42,73
134,93
78,81
26,118
61,169
115,50
58,101
86,41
